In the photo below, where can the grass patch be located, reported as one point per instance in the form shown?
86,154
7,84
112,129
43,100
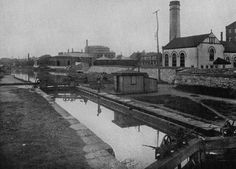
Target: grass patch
181,104
221,106
210,91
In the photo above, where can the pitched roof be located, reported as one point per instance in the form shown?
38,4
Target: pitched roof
230,46
220,61
231,24
186,42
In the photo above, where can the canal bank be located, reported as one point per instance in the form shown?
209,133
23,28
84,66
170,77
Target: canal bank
37,133
174,120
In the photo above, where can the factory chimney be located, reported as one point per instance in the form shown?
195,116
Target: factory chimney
87,43
174,20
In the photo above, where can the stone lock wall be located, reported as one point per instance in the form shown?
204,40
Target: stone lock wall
227,82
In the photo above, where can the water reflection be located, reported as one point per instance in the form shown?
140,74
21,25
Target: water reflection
126,135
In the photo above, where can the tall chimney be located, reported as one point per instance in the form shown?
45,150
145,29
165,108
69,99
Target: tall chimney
72,50
221,36
174,19
87,43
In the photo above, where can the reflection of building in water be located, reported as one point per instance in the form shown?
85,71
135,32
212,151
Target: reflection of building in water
71,97
124,121
99,107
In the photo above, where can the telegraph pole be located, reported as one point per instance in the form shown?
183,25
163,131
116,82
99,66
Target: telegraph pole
158,60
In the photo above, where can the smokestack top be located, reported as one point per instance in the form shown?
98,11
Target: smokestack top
174,3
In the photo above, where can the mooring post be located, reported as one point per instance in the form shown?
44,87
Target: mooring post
179,166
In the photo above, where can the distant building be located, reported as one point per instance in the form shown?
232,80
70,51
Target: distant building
230,52
198,51
231,32
70,58
147,59
99,51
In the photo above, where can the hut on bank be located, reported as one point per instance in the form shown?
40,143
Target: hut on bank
129,82
221,63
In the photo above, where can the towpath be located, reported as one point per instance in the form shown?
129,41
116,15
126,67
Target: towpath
37,134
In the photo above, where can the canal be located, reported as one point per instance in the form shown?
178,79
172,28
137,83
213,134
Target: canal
128,137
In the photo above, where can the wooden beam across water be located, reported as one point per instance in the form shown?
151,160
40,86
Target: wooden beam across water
179,156
18,84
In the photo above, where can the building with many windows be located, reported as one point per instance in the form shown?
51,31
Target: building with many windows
198,51
99,51
231,32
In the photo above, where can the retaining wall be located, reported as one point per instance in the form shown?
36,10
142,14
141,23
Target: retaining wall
227,82
167,74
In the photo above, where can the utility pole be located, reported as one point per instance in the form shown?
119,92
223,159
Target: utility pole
158,60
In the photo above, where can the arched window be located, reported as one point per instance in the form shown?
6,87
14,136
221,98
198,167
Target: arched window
68,62
182,60
166,60
174,60
227,58
211,54
235,61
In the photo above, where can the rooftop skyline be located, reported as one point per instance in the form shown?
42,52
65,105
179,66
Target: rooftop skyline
49,26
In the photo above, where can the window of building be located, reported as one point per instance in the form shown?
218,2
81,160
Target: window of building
211,66
192,66
206,66
216,66
212,40
235,61
182,60
174,60
227,58
230,38
211,54
202,67
229,30
166,60
133,80
68,62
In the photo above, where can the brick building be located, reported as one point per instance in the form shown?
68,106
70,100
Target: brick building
231,32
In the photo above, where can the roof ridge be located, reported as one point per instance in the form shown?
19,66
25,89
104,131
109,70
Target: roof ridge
193,36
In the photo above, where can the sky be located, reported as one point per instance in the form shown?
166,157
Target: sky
43,27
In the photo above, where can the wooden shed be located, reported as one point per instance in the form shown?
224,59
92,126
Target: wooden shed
128,82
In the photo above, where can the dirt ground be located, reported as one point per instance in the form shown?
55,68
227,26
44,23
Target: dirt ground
33,135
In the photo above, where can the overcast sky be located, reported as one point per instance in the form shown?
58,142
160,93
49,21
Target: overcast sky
50,26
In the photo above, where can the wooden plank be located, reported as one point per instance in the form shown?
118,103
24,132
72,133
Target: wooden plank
214,143
179,156
17,84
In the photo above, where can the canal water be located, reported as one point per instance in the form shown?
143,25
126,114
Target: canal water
126,135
